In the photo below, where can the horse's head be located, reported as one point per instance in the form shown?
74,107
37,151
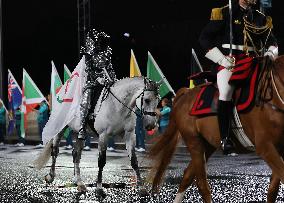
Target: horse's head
147,103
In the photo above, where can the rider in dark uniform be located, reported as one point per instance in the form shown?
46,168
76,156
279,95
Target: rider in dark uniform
99,73
252,36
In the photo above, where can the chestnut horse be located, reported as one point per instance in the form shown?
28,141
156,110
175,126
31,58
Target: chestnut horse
263,124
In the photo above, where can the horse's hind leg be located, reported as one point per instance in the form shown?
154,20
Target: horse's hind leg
77,152
273,188
49,178
189,175
187,180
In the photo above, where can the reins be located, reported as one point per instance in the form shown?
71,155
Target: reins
143,112
268,83
275,87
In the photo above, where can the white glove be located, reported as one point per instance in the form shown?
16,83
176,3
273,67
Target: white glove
217,56
272,52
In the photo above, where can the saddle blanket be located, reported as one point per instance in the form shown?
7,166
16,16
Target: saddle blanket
244,78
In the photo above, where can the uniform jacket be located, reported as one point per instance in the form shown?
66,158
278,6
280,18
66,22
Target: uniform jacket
217,32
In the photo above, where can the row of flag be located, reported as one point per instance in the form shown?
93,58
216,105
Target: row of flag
153,72
29,96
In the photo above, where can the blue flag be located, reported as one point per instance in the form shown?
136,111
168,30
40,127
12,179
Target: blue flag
14,99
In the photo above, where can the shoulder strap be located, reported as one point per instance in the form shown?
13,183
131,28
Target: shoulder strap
217,14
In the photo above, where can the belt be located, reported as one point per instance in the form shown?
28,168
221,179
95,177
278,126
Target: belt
237,47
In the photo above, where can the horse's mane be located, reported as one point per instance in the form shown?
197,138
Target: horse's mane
180,93
149,83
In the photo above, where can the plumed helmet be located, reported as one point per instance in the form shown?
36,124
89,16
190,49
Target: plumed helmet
96,41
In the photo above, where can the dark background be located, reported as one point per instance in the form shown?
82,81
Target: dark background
36,32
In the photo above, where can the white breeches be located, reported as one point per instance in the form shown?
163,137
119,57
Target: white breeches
225,89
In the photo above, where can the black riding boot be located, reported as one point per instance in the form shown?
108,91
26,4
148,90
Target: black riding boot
225,113
88,103
85,108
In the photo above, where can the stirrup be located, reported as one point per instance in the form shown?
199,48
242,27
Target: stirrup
227,146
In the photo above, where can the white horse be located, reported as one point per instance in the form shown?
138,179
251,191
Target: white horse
115,115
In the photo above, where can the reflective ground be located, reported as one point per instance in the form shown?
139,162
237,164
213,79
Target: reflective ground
243,178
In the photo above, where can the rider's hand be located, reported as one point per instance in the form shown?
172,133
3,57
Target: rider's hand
227,62
272,52
218,57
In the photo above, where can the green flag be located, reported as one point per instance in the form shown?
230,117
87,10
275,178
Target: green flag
31,97
55,84
155,74
67,73
31,94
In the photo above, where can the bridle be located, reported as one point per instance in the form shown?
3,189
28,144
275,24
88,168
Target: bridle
142,111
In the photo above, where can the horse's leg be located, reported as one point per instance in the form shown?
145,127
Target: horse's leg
196,169
49,178
130,146
189,175
268,152
77,152
273,188
201,177
187,180
101,163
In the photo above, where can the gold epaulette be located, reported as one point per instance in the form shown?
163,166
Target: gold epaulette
217,14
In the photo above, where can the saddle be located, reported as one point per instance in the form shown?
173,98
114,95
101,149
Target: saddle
244,78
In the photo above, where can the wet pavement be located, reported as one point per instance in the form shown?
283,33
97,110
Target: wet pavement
243,178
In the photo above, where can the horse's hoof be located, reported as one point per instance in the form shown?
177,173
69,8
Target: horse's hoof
100,193
143,192
81,188
49,178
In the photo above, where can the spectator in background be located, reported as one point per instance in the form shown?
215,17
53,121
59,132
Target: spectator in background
110,144
140,133
164,115
68,136
18,118
42,118
87,142
2,123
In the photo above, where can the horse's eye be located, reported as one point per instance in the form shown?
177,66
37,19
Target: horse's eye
147,101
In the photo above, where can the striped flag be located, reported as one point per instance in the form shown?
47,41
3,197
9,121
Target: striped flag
134,68
155,74
31,97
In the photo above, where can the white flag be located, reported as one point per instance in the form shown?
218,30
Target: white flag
68,103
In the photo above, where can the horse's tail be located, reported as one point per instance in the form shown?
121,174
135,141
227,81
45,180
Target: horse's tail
162,153
44,156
